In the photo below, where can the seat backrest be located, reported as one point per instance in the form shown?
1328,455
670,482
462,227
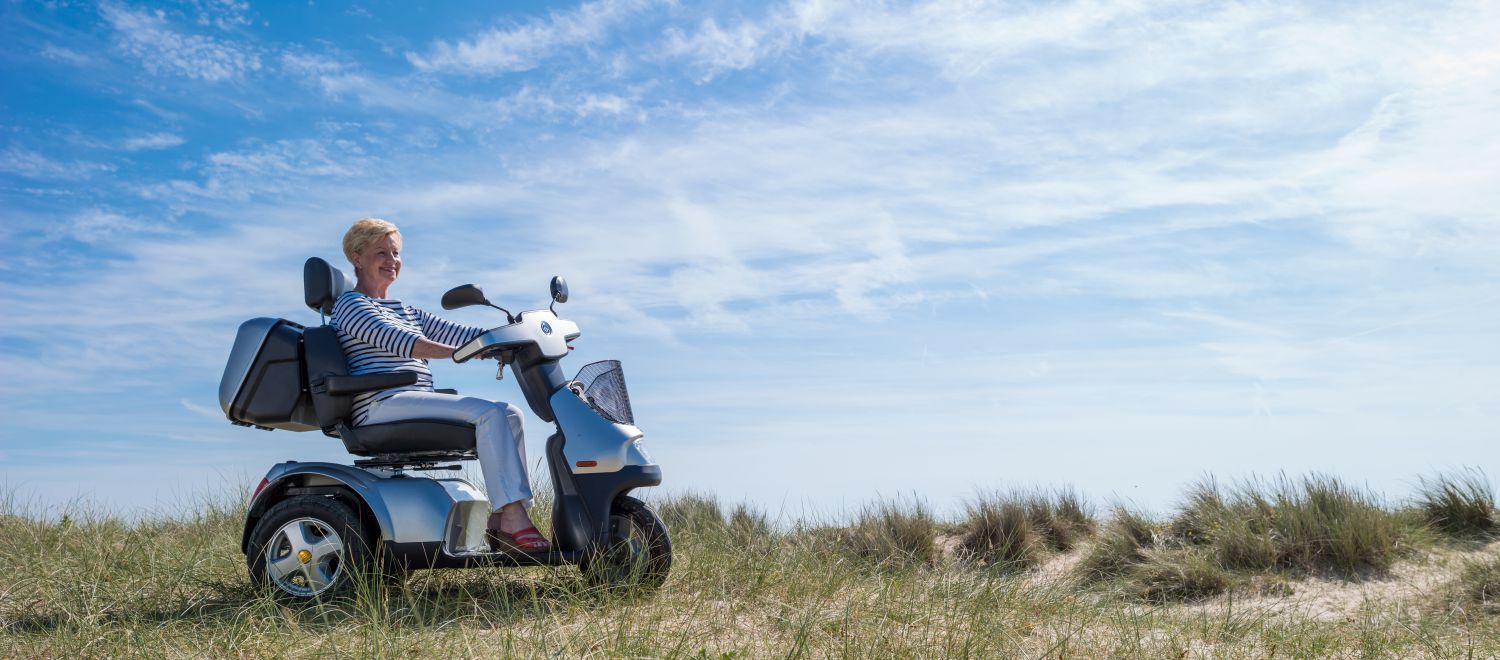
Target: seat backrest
322,284
325,357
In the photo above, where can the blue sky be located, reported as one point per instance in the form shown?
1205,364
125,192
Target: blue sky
844,249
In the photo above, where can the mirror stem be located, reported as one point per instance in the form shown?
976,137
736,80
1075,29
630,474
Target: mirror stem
508,317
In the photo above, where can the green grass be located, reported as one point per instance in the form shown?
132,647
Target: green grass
890,534
93,585
1219,538
1177,575
1479,585
1313,524
998,532
1018,530
1121,546
1459,505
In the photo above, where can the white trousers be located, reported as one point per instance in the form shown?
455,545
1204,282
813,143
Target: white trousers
498,438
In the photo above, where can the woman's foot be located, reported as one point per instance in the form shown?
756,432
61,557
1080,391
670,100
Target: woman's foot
511,528
527,540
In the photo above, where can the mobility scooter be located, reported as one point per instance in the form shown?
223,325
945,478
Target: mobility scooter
312,528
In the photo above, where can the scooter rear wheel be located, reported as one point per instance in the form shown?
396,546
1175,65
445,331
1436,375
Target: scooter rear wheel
308,547
638,553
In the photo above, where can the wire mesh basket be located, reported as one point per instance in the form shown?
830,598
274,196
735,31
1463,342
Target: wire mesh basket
603,385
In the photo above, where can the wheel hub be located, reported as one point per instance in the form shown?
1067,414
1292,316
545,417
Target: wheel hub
305,557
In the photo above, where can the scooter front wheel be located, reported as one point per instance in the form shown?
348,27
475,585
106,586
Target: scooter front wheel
638,551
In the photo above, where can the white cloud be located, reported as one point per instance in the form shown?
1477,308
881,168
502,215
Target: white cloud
413,95
33,165
715,50
60,54
522,47
602,104
152,141
147,37
157,110
99,224
265,169
887,265
201,410
529,101
223,14
311,64
311,158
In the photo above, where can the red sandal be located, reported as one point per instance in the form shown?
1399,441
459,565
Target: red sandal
524,540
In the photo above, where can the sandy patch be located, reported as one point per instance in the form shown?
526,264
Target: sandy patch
1410,585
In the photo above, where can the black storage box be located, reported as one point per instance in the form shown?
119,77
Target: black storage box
264,382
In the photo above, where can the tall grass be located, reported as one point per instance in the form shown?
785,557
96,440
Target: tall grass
1015,530
1459,504
1316,523
997,532
1120,547
1061,517
1177,574
692,513
1477,588
1312,525
892,534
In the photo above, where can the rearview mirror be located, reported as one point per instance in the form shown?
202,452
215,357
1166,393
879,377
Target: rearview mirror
559,289
464,296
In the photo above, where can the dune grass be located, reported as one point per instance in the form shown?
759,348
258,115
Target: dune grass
1477,588
890,534
1459,505
1315,525
1017,530
92,585
1121,546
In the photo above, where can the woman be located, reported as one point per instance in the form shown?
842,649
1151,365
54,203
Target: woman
380,334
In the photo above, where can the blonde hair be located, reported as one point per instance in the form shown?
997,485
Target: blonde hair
365,231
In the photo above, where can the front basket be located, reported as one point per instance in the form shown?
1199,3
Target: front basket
604,389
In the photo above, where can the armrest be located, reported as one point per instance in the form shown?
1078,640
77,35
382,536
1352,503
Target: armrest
341,385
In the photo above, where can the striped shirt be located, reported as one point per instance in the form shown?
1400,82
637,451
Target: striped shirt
378,337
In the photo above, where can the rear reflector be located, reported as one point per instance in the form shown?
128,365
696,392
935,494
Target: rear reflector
586,463
259,488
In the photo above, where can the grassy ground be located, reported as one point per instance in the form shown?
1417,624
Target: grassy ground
1307,567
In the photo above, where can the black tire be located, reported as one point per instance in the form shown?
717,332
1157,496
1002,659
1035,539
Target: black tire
638,553
337,548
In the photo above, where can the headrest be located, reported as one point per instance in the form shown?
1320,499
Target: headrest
322,284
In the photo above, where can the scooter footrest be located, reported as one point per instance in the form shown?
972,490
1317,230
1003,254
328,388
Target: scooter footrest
416,461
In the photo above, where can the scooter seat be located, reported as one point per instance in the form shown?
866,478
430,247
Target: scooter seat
408,436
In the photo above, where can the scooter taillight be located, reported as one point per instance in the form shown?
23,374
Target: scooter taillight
259,488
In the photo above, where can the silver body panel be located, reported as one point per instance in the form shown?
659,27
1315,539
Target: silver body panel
591,437
247,343
420,507
540,327
408,509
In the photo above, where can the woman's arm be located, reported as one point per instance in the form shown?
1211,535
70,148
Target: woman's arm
448,335
359,317
427,349
444,331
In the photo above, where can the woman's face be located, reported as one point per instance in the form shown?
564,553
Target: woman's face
380,262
